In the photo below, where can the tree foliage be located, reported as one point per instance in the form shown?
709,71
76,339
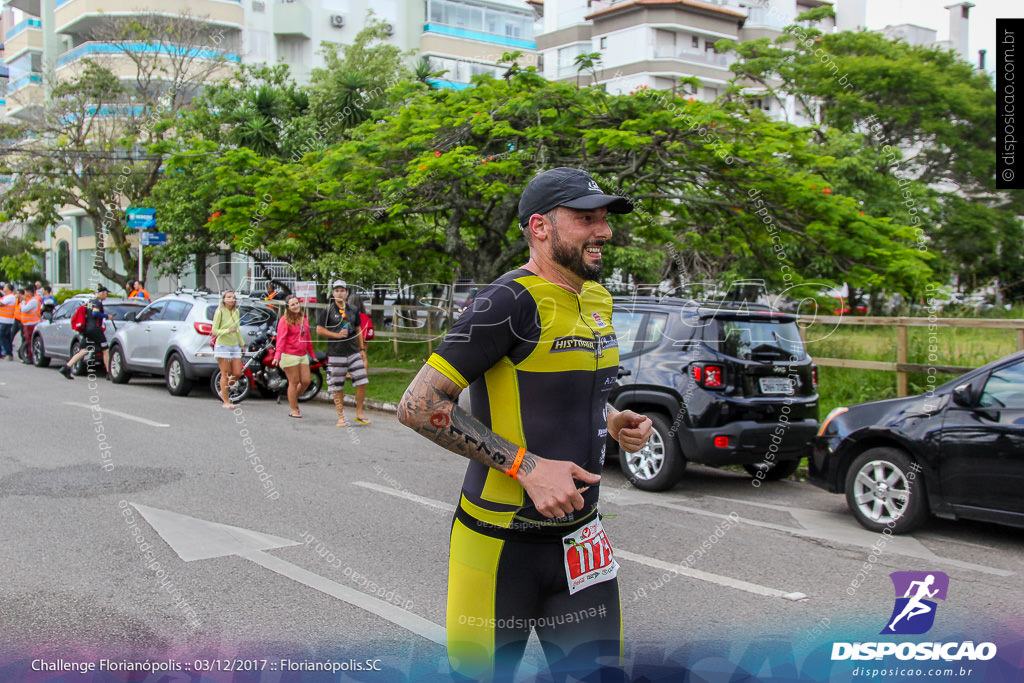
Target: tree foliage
908,131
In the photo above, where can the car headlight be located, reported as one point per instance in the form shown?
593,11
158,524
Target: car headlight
836,412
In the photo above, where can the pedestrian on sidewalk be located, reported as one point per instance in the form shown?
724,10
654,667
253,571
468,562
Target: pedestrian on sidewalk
227,346
346,350
19,327
292,350
48,300
93,337
31,315
138,292
8,310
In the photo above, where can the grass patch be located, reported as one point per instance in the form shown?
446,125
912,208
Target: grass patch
388,386
964,346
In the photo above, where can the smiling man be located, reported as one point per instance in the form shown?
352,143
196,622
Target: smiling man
539,355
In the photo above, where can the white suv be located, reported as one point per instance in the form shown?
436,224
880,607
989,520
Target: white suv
171,338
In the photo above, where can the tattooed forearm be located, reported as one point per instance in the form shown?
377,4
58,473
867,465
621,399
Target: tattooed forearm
428,406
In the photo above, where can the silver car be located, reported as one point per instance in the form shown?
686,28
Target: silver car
171,338
54,338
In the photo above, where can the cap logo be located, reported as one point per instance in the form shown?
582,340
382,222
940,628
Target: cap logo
592,186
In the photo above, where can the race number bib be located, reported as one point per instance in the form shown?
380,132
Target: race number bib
588,557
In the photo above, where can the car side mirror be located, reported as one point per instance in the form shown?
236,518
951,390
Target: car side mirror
962,396
130,316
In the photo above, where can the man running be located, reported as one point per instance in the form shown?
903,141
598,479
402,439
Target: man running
538,352
93,337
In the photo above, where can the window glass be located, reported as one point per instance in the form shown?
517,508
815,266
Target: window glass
153,312
63,262
68,308
1005,388
177,310
627,330
760,340
655,330
119,311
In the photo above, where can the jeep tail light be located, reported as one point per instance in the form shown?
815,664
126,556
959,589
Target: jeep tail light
708,375
721,442
713,377
203,328
814,376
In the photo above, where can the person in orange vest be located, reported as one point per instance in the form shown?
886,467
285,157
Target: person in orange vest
19,296
8,308
138,292
31,315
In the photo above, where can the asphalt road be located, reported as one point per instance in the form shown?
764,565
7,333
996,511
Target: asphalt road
333,514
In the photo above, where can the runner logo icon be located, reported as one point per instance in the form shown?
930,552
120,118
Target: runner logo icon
914,611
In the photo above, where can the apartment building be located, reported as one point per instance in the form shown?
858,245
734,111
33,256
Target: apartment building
47,41
653,43
462,37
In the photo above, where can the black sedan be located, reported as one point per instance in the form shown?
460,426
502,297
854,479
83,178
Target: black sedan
956,451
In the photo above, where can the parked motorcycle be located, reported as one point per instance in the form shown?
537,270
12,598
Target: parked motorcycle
269,380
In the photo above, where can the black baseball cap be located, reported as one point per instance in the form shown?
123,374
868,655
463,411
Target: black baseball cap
571,187
101,289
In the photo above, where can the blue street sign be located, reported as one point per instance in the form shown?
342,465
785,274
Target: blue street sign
153,239
140,212
141,223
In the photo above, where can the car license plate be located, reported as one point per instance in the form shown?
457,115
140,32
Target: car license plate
776,385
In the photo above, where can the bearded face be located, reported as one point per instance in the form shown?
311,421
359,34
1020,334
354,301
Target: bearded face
571,257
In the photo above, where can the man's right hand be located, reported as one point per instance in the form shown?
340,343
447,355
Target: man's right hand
551,486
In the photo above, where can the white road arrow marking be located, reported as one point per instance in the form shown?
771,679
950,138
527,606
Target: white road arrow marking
118,413
196,539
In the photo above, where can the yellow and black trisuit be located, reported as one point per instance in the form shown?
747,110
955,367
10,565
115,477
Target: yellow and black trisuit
539,362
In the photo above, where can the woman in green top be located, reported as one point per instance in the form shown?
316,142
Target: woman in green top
227,348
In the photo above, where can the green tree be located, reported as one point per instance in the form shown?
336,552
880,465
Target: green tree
908,131
255,118
438,184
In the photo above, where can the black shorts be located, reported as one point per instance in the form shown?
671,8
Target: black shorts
94,339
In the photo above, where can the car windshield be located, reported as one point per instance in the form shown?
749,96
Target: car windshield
250,315
760,340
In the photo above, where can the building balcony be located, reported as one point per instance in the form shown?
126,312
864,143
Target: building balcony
117,57
25,35
293,19
28,80
26,6
79,17
767,17
72,63
479,36
25,95
707,57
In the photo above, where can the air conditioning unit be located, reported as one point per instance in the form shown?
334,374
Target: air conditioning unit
337,20
389,29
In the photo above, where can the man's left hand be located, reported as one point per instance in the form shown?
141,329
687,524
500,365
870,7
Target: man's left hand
631,430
